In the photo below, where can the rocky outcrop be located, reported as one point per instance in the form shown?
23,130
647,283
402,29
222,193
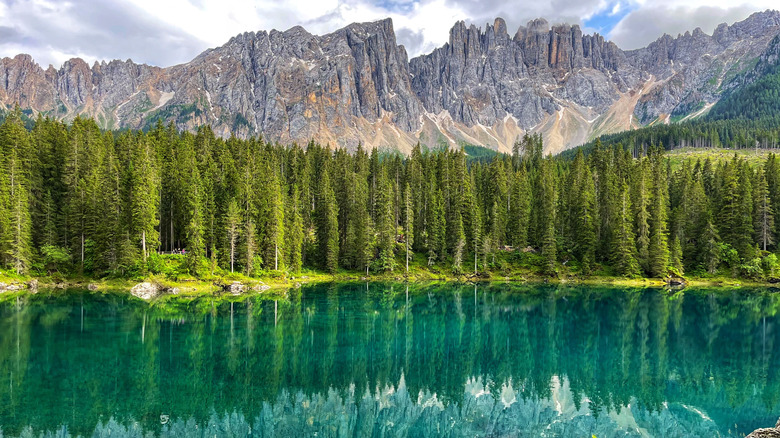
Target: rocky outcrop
235,288
694,69
145,291
773,432
485,86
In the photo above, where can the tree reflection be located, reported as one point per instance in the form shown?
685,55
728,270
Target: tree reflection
352,357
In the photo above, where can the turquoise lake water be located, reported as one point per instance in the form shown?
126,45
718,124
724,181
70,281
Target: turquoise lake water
353,360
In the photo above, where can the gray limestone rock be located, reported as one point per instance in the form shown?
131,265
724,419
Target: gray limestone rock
357,85
145,291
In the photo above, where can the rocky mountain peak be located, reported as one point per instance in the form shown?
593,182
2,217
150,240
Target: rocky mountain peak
485,86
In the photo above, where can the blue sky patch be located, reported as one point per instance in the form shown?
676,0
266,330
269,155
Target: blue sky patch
604,21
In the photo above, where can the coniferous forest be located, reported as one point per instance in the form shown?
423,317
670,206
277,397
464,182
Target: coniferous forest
78,200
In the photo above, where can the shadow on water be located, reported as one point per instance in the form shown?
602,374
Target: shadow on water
386,359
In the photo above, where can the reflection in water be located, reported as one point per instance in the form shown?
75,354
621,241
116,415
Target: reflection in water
351,360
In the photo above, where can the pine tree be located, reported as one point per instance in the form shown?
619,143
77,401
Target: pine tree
436,228
144,195
250,246
519,212
709,249
384,224
16,221
764,219
641,203
408,222
327,224
675,257
587,236
232,230
294,232
193,206
625,249
460,242
274,224
658,249
548,194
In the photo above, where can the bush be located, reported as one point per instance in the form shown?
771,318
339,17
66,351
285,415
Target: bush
751,269
769,263
54,257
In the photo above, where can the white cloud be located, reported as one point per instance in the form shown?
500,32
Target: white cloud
651,19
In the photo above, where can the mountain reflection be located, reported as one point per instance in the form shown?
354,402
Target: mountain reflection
384,360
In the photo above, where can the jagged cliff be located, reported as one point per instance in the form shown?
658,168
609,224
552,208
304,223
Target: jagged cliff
483,87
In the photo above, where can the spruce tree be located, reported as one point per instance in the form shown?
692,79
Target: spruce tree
658,250
641,203
436,228
625,249
16,220
408,223
327,224
548,193
232,230
144,195
385,226
764,220
294,232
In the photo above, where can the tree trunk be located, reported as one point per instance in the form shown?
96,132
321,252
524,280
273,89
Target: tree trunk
143,244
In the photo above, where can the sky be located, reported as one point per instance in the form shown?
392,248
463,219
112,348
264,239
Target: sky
169,32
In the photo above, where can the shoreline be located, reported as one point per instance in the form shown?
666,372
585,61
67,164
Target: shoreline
248,286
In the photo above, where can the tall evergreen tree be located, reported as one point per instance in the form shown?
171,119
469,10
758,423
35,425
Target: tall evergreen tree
625,249
764,218
15,221
658,249
327,224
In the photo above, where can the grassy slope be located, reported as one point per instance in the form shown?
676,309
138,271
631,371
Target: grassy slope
752,156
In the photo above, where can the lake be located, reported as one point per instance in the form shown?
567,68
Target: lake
392,360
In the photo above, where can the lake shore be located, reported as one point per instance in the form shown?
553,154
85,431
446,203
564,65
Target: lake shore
241,285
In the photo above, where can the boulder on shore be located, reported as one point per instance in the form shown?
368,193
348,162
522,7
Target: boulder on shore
144,291
675,281
235,288
92,287
770,432
260,287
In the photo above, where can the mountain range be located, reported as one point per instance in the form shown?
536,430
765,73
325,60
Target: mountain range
484,87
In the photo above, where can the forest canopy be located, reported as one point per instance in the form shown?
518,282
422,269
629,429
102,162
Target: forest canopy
75,199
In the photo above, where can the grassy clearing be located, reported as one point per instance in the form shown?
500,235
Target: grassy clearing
754,157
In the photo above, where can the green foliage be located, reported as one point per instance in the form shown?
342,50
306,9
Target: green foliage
54,258
176,204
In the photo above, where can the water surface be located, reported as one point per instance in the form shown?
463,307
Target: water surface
391,360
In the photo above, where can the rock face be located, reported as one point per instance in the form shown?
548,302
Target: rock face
773,432
145,291
235,288
356,85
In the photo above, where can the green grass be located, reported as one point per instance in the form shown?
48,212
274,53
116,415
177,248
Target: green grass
503,266
754,157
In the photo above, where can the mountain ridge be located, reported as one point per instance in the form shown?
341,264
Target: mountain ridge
483,87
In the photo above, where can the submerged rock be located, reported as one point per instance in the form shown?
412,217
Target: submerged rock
144,291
